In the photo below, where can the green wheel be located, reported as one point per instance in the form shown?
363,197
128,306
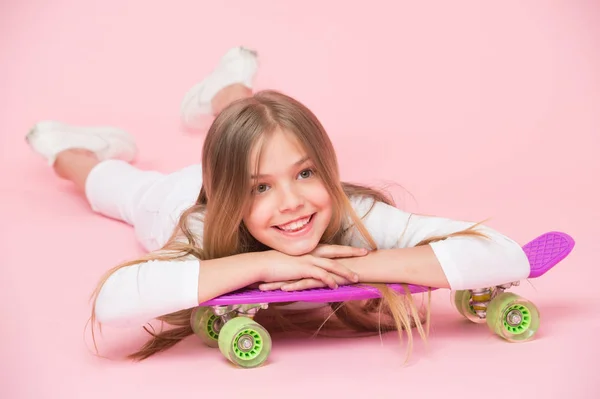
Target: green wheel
206,326
244,342
513,318
461,300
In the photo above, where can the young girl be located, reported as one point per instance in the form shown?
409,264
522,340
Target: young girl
266,207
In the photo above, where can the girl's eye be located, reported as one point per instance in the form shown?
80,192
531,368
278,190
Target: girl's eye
305,174
261,188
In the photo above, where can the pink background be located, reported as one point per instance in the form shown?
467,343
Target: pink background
477,110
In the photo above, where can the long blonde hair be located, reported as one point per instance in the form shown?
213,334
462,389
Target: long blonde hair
224,197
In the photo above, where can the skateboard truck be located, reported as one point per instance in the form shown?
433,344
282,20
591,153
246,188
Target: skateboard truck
481,297
226,311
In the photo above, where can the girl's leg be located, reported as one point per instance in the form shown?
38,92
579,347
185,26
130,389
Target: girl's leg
113,188
235,71
223,98
75,165
146,200
96,161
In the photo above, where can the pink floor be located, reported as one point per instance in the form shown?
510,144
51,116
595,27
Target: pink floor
476,110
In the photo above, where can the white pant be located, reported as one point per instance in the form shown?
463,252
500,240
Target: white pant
149,201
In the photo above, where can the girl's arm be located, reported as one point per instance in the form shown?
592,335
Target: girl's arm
135,294
415,265
459,262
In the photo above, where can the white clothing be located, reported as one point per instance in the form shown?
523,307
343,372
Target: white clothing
152,202
149,201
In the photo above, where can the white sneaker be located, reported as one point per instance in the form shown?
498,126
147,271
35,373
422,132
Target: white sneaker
238,65
48,138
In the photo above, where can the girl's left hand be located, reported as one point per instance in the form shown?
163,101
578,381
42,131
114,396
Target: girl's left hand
299,285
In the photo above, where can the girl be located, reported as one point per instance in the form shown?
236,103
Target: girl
266,207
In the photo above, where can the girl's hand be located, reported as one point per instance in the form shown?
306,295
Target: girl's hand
278,267
338,251
299,285
322,255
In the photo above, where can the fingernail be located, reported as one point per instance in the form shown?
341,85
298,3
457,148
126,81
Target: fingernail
355,278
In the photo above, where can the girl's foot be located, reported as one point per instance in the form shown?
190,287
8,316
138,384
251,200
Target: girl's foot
49,138
237,68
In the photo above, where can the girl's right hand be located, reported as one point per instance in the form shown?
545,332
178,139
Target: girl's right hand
320,265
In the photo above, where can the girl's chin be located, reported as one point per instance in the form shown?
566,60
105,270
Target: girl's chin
296,250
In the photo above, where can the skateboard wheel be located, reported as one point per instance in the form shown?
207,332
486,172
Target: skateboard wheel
244,342
206,326
461,300
513,318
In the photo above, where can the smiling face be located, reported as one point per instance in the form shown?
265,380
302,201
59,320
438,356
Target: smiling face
290,207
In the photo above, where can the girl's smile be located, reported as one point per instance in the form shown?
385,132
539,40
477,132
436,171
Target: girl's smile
297,227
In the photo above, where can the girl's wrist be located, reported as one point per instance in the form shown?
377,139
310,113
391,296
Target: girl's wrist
255,264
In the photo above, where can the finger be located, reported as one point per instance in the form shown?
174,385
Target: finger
309,283
273,286
322,275
305,284
339,251
335,267
253,286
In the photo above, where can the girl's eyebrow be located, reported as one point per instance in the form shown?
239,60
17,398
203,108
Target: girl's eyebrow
297,163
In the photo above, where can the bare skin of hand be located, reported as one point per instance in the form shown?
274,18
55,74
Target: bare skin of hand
333,279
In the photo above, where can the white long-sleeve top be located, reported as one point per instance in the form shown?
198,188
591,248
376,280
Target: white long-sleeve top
136,294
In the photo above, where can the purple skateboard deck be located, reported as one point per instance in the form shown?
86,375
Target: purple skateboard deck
544,252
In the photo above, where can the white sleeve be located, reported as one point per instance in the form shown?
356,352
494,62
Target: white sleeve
467,261
134,295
